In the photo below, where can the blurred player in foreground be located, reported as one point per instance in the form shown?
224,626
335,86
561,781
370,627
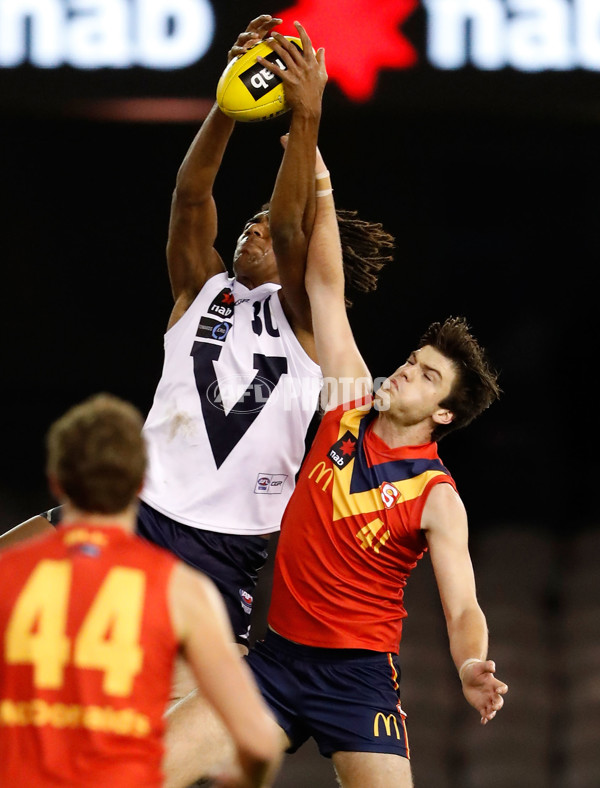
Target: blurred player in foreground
91,619
372,497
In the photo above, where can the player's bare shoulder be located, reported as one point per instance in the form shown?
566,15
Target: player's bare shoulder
443,510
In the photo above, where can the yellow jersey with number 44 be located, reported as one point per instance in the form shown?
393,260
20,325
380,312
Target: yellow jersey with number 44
86,659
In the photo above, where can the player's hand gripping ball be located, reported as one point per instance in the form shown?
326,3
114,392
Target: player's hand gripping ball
247,90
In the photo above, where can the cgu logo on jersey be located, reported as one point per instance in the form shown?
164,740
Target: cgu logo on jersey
223,303
343,450
212,329
389,494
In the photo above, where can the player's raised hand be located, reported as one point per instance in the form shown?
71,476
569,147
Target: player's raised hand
482,689
258,29
304,76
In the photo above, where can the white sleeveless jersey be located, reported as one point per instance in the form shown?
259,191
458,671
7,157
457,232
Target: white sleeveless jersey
226,430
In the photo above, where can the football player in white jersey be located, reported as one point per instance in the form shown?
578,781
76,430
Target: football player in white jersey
240,383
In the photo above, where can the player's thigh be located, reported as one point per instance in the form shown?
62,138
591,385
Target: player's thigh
184,681
196,742
373,769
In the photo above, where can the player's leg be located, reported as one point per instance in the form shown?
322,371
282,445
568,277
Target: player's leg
197,744
35,526
376,769
362,726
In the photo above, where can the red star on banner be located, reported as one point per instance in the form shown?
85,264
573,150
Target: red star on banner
228,298
348,447
361,37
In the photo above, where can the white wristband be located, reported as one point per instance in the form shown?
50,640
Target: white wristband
320,175
466,664
323,192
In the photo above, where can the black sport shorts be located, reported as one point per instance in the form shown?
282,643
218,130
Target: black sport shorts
346,699
231,561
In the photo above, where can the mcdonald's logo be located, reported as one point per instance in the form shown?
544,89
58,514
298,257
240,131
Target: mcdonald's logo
323,471
387,723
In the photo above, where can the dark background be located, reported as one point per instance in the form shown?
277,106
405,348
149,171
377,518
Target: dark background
489,182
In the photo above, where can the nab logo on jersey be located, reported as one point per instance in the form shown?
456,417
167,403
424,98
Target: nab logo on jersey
343,450
223,304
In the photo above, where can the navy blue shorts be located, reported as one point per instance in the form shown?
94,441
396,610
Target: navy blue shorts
346,699
231,561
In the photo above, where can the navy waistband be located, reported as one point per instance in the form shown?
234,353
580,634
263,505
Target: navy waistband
316,653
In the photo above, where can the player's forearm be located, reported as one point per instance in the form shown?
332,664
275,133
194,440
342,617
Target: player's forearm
197,173
293,201
324,268
260,767
468,635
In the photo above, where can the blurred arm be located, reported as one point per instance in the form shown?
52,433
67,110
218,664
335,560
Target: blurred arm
35,526
224,680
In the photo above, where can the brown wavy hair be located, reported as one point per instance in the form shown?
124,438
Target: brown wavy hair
97,454
476,385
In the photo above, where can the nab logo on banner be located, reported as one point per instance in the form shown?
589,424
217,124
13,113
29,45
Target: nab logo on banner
157,34
361,38
536,35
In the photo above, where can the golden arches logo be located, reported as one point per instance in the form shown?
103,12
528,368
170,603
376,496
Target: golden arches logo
387,723
323,471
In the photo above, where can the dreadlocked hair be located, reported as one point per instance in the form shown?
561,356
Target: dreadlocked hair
364,246
363,250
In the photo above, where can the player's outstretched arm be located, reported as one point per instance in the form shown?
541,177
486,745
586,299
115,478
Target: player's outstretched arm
225,681
191,256
35,526
444,521
292,204
344,370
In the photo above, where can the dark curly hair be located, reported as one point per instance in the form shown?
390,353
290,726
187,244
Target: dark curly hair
476,385
366,248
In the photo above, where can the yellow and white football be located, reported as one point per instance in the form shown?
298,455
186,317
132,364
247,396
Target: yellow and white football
247,90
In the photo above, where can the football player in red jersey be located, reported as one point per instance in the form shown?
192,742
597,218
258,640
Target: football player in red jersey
91,619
